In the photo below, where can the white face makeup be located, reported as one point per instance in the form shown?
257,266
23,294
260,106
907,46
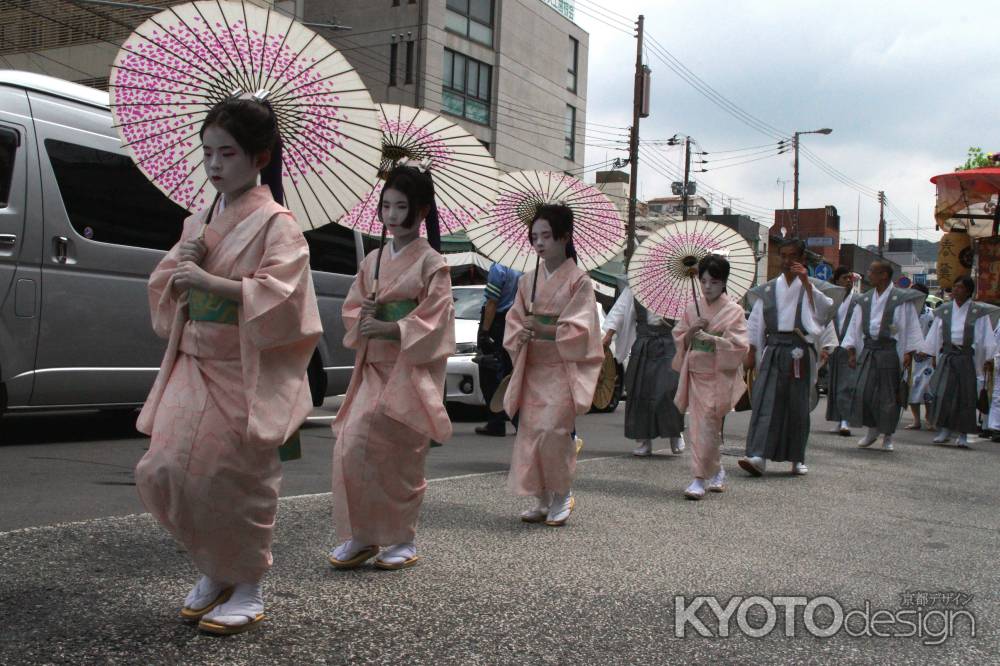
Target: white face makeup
231,170
711,287
395,210
547,247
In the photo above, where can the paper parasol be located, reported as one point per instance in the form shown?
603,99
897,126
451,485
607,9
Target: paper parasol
659,272
465,174
181,62
502,235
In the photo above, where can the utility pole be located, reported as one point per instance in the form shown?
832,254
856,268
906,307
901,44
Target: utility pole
881,223
687,175
633,149
795,187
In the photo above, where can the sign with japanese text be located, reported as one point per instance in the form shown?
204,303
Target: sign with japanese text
954,258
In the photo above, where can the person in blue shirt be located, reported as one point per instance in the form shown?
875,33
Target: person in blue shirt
501,288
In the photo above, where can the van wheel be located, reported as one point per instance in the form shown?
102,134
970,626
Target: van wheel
317,379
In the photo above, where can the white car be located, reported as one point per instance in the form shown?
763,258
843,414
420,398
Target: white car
462,382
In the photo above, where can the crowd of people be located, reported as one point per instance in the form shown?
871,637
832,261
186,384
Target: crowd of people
235,300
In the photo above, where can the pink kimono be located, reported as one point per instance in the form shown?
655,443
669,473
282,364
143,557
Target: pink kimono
229,394
395,402
553,380
711,380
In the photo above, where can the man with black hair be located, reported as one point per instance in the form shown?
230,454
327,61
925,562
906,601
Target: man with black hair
841,377
789,313
880,342
963,341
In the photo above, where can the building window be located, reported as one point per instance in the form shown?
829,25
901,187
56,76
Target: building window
408,76
393,62
574,53
472,19
570,150
467,86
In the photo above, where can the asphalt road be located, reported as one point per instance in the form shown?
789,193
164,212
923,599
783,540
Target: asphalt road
863,526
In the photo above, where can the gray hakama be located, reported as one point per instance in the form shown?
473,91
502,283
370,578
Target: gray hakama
779,423
842,377
651,383
953,388
876,400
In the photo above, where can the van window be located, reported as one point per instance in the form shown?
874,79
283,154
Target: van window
8,150
331,249
109,200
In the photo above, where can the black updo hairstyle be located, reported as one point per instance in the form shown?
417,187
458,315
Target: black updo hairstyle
255,127
418,188
560,218
716,266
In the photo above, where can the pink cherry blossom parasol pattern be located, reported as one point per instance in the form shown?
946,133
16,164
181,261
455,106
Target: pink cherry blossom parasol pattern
502,235
182,61
660,274
465,174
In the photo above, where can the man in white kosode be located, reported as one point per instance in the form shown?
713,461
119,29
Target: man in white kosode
963,341
880,341
789,314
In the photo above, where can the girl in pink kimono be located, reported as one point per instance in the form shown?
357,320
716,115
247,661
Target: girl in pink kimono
711,344
400,317
554,338
235,300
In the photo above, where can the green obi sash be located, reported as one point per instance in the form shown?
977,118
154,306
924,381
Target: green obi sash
205,306
704,345
292,449
393,311
548,320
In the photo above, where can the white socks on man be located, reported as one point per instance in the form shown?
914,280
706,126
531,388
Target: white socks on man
677,444
644,449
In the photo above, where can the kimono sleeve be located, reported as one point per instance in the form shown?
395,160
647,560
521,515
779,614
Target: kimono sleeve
732,346
852,339
615,321
680,330
932,341
163,302
577,329
910,327
279,301
755,328
428,333
350,314
985,342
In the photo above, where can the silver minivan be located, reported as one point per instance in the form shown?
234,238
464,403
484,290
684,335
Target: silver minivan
80,231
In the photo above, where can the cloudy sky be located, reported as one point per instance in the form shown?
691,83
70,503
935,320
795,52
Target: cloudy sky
906,86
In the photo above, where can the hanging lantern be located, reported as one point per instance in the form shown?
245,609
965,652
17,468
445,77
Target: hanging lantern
954,257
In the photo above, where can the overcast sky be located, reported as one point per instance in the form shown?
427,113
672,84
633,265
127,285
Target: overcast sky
906,86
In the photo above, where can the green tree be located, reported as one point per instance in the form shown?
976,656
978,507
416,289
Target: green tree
978,159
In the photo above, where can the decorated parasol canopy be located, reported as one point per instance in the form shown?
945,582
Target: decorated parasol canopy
181,62
663,270
965,201
465,174
502,235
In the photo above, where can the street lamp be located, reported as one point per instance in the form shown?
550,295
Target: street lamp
795,177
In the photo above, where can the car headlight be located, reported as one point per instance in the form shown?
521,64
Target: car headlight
465,348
